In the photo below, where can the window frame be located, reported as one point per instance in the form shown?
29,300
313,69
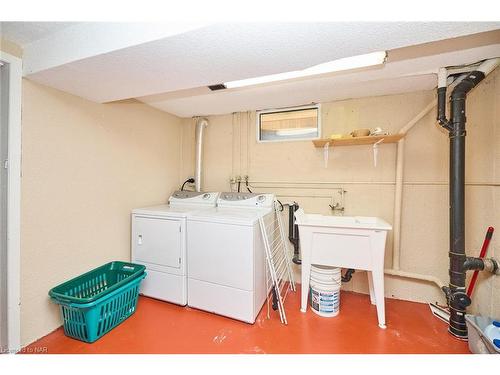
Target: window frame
287,109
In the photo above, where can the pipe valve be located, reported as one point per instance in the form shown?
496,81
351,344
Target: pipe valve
461,299
458,297
487,264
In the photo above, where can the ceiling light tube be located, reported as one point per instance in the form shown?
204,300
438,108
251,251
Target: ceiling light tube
347,63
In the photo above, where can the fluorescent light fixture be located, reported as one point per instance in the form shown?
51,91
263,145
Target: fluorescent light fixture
360,61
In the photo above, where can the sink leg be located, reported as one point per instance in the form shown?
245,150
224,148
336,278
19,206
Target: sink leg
378,288
373,300
306,273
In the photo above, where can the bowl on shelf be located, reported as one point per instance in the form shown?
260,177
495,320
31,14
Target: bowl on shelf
379,131
360,132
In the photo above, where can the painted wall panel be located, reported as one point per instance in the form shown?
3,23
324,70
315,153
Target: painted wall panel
85,166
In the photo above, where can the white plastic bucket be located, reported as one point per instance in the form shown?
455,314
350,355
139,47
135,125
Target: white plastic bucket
325,290
326,275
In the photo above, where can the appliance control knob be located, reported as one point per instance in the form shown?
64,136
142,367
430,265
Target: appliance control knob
261,198
206,196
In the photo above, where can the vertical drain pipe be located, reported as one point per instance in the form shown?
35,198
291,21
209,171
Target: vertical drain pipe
455,293
201,124
398,195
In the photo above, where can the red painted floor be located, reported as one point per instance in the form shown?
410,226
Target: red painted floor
159,327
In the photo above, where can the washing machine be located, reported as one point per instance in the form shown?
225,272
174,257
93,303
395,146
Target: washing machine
226,258
159,243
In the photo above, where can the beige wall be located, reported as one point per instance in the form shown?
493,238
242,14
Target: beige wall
10,47
231,150
85,166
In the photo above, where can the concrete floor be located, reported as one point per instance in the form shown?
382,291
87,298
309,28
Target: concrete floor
159,327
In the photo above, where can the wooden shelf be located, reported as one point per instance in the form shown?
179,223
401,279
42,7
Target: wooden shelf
355,141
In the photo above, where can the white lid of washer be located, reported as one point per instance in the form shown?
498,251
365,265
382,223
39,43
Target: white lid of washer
230,215
166,210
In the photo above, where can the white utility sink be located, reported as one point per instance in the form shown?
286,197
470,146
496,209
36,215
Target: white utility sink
360,222
344,241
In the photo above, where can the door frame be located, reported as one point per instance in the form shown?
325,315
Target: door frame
14,203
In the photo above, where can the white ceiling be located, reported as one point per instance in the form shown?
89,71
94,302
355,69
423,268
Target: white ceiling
170,69
393,78
23,33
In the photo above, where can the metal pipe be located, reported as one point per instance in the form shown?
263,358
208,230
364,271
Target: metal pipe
338,183
348,275
398,205
201,124
480,264
429,107
457,298
472,263
398,195
488,66
492,265
303,196
441,94
410,275
457,256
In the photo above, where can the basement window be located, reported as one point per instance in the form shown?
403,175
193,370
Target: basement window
290,124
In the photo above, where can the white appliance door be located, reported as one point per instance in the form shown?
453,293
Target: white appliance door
221,253
157,241
223,300
165,286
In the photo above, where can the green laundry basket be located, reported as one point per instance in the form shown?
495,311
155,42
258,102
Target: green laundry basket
94,303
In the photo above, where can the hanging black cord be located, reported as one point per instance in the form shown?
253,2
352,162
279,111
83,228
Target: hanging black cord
189,180
246,183
239,183
281,205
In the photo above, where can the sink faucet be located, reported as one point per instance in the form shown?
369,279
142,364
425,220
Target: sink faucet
339,206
